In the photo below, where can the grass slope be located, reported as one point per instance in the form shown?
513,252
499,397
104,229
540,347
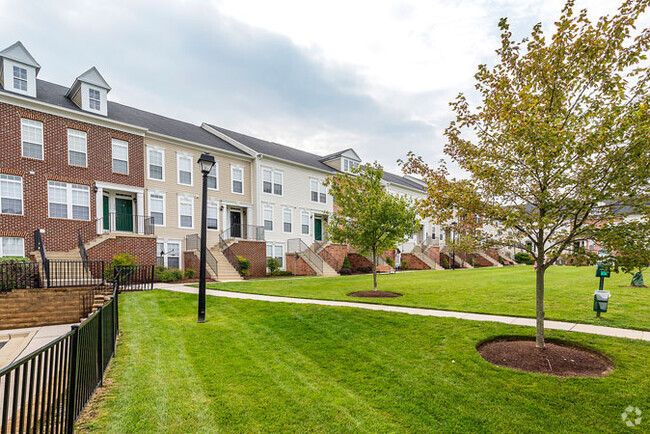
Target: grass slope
504,291
269,367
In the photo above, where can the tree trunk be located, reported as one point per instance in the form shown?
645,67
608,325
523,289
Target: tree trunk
539,305
374,269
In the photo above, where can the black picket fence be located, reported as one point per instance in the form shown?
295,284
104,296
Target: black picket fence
18,275
134,277
47,390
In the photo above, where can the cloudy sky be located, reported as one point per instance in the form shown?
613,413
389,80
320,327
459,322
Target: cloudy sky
321,76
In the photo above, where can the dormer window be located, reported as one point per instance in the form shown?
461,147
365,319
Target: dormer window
348,165
20,78
94,99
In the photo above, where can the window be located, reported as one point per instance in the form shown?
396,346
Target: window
156,163
318,192
32,138
348,165
94,99
77,148
11,194
20,78
268,218
304,223
275,251
237,174
287,219
157,208
213,177
184,169
68,201
213,215
12,246
272,181
169,253
185,212
120,157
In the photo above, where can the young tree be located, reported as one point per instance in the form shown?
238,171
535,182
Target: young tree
367,216
558,142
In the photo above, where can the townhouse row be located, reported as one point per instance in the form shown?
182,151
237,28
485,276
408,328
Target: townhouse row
87,176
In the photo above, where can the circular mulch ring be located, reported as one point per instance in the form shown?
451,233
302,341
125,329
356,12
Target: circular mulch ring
561,359
375,294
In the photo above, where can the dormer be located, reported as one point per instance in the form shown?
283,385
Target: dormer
19,70
90,91
344,161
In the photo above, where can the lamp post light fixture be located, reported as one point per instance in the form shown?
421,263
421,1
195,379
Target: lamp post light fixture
206,163
453,246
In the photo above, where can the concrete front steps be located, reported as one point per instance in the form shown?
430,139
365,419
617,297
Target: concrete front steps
458,260
488,258
226,272
418,252
328,271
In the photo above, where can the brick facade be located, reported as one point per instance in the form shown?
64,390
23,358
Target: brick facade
191,261
433,253
414,263
60,234
142,247
39,307
337,253
255,251
298,267
358,261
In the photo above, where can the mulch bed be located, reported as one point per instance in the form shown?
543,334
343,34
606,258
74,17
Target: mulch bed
374,294
558,358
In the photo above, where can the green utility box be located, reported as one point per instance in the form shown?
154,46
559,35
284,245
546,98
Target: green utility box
601,299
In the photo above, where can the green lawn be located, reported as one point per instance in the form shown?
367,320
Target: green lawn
274,367
504,291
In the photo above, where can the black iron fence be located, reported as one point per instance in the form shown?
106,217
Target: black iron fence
193,242
133,277
47,390
67,274
19,275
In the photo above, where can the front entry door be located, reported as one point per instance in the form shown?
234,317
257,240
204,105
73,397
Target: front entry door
106,215
235,224
318,229
123,215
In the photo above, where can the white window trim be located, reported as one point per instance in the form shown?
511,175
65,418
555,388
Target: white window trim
68,202
234,167
320,188
165,242
216,170
190,199
273,245
22,197
273,172
85,134
290,210
213,203
305,214
120,144
2,253
162,151
22,139
91,99
264,209
164,201
180,155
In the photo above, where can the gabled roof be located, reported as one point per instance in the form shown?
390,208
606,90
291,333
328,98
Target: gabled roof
19,53
92,77
344,153
55,94
276,150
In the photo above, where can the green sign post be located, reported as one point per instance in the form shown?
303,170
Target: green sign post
601,297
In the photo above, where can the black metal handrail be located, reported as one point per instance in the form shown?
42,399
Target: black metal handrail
117,222
40,246
82,248
298,246
63,273
244,232
193,242
228,253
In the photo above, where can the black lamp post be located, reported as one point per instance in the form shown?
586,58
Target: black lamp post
206,162
453,246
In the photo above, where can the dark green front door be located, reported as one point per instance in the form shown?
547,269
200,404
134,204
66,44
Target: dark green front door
123,215
318,229
106,215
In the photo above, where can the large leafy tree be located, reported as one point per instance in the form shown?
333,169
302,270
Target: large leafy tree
558,142
366,215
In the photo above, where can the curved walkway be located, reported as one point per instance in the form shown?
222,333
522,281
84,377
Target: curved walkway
512,320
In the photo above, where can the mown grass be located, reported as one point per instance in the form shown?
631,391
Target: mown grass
502,291
274,367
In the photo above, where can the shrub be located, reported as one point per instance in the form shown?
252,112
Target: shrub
14,259
346,263
244,265
157,271
17,273
282,273
273,265
364,270
390,261
345,271
404,265
444,262
162,274
123,260
190,273
524,258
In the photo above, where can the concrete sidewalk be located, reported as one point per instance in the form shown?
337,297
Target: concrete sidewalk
528,322
22,342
